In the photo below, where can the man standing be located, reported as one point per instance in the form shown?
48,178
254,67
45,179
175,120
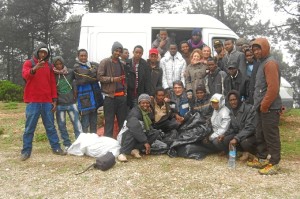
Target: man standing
173,66
41,96
215,78
156,71
219,48
138,76
234,56
267,103
111,74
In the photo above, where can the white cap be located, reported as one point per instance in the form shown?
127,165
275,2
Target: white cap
44,49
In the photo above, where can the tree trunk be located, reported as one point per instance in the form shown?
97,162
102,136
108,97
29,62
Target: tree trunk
146,6
117,6
222,10
136,4
8,63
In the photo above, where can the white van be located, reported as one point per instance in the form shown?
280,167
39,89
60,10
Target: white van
100,30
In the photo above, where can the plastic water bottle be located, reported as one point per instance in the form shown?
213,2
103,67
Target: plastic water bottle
232,156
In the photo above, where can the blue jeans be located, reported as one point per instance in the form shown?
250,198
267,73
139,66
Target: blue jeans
72,111
89,120
33,112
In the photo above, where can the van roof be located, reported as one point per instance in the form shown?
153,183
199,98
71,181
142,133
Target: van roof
159,20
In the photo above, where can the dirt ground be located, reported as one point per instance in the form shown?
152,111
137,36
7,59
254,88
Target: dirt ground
45,175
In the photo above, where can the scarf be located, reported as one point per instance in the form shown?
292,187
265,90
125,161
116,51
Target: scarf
197,45
146,119
63,71
88,64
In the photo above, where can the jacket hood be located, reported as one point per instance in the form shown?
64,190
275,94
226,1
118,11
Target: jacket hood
55,59
41,45
218,98
265,46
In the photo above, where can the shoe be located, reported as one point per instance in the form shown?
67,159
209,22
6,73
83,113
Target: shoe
24,156
269,170
66,149
258,163
122,158
59,152
136,153
244,157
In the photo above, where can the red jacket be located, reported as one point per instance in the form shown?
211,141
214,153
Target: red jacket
41,86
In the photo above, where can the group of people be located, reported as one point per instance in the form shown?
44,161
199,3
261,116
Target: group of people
236,93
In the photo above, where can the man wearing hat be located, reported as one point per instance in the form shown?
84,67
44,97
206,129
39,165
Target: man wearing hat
139,124
155,70
111,74
196,40
219,48
236,81
40,94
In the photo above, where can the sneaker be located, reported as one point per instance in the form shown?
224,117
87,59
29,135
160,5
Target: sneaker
59,152
269,170
24,156
258,163
122,158
136,153
244,157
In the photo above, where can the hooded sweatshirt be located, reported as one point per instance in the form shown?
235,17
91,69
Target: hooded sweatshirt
65,83
267,86
220,119
40,87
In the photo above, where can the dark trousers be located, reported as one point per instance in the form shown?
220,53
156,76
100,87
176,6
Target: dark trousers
267,136
114,107
248,145
129,142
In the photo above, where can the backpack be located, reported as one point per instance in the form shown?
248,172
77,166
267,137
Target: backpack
103,163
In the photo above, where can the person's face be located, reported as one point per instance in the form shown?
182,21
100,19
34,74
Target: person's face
233,101
196,37
218,48
244,47
215,105
83,57
159,97
59,65
163,35
206,52
257,52
153,58
42,54
211,66
232,71
173,50
145,105
137,53
249,56
178,89
228,45
185,48
200,94
125,55
117,53
196,57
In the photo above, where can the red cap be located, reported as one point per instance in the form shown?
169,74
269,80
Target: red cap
153,51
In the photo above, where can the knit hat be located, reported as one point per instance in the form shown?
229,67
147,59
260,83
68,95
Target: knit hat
241,41
115,46
144,96
197,31
233,65
44,49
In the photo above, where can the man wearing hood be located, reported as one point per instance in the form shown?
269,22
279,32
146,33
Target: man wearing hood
111,74
241,132
41,97
196,40
267,103
66,103
173,66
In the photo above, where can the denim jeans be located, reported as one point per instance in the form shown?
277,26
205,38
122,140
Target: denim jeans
89,120
33,112
73,113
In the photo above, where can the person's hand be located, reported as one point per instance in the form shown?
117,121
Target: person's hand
147,147
39,65
179,118
167,99
220,138
119,79
233,142
162,43
54,104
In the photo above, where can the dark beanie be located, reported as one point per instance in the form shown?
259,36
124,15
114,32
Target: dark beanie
196,31
201,88
115,46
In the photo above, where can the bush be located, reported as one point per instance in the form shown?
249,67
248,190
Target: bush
10,91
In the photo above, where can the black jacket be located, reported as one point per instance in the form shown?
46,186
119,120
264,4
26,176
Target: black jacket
144,80
156,74
242,124
215,82
238,83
